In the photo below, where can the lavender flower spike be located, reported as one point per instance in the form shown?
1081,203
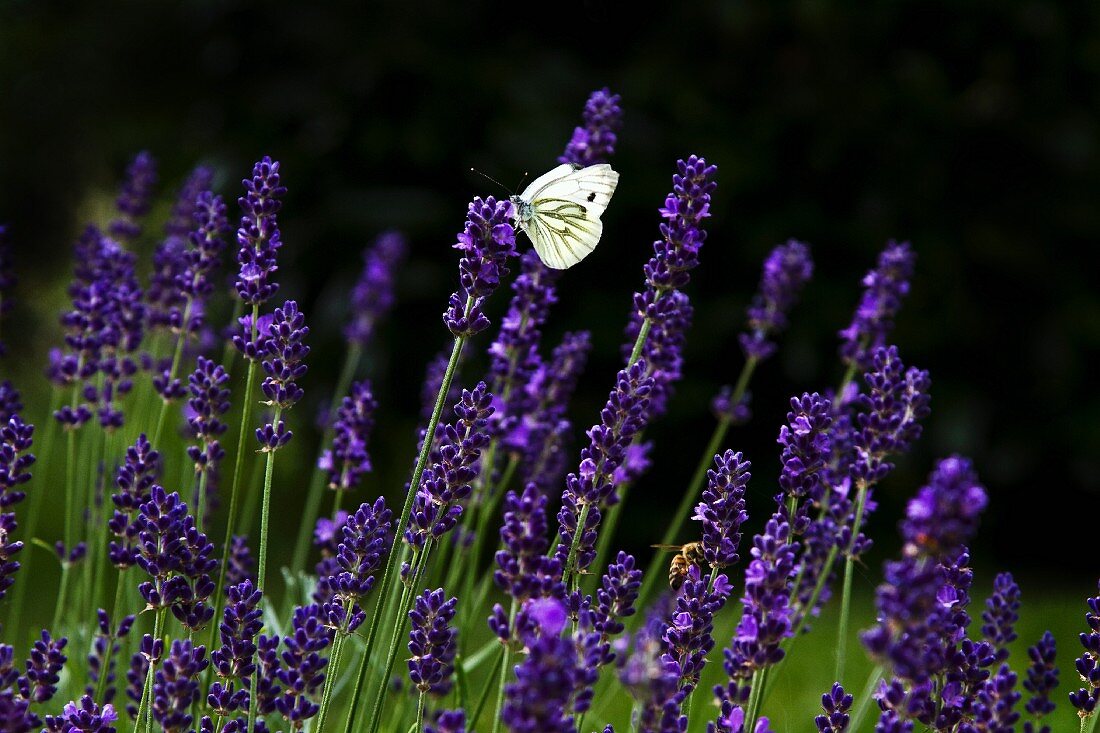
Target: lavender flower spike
134,197
835,703
1042,679
286,350
83,717
1086,698
449,721
348,460
486,244
432,642
372,298
884,289
16,438
722,510
258,235
594,141
786,271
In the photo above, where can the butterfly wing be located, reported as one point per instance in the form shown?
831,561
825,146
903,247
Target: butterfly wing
566,206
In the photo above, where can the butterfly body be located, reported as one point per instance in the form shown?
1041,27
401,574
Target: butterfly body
560,212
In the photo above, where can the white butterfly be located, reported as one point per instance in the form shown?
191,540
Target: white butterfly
561,209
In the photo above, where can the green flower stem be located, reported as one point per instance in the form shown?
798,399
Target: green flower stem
691,495
606,536
863,701
502,679
265,509
234,492
330,676
846,594
177,356
147,690
316,492
759,680
569,573
34,512
62,596
485,690
200,507
101,683
390,572
1092,722
419,714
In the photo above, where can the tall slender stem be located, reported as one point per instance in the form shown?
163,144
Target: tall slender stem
863,702
234,492
390,573
62,596
317,480
330,677
419,714
147,691
265,509
177,356
502,679
846,594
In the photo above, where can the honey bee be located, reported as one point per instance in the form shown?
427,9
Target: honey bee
686,556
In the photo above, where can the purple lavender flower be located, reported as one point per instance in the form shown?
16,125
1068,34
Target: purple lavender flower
347,461
432,642
594,141
689,636
514,357
446,482
944,514
83,717
725,409
176,686
486,244
1086,698
208,403
258,235
766,616
592,485
653,678
234,661
884,289
207,240
46,661
669,319
539,700
359,557
722,510
104,650
285,350
16,438
1042,679
835,703
302,672
15,713
615,599
134,480
523,569
807,449
994,709
372,298
786,271
11,402
134,197
449,721
546,429
239,563
682,235
1001,614
177,557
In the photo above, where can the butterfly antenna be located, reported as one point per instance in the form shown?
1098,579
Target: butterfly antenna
490,178
521,180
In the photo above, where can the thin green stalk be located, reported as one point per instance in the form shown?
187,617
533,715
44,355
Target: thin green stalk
246,415
607,535
846,595
200,507
503,677
485,690
34,511
101,683
389,573
330,677
419,713
419,564
317,481
265,509
62,596
753,707
177,356
147,691
569,573
863,702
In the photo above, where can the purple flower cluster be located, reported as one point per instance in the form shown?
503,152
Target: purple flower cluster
373,295
301,670
689,637
258,235
722,510
176,686
36,685
82,717
1001,614
540,698
1042,679
944,515
347,460
1085,699
669,319
209,401
653,679
234,661
766,618
135,479
884,289
134,197
177,557
523,568
432,642
16,438
358,558
486,243
105,648
786,271
104,326
449,721
836,704
283,364
594,141
592,486
446,482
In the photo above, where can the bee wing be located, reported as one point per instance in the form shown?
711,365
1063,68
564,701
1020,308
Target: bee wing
674,548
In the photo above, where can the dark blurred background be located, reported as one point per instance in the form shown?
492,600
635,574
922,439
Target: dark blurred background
970,129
